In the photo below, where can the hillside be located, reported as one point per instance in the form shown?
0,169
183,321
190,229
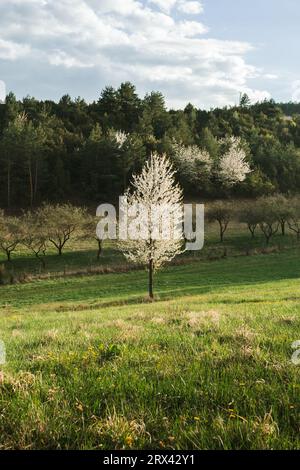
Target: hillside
66,150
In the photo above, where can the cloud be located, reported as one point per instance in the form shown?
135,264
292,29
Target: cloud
105,42
296,91
190,7
164,5
10,50
61,58
270,76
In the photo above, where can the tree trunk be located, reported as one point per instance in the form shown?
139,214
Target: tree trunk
252,229
221,233
41,260
99,249
151,279
282,228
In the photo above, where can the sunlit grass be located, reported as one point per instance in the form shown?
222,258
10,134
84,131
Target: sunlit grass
91,364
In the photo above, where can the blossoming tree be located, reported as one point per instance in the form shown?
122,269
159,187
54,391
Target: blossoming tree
233,166
154,206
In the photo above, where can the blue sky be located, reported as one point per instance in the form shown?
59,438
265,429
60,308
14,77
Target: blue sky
204,52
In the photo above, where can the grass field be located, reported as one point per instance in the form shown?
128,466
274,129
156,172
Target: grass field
79,256
92,365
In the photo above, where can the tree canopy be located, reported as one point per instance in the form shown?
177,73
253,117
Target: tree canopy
67,151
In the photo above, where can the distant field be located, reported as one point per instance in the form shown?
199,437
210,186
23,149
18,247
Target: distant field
92,365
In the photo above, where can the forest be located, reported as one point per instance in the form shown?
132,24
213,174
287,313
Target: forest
72,151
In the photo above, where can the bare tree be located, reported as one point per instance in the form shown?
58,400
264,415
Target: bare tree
34,235
89,232
61,223
283,209
10,234
268,218
154,198
294,218
249,215
221,212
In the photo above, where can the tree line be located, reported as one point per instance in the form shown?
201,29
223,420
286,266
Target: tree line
55,225
267,214
71,151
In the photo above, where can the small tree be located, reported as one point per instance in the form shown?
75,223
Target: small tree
249,215
283,209
294,218
61,222
34,235
221,212
153,190
10,234
268,218
89,232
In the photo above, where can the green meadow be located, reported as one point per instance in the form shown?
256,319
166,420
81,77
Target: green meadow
92,364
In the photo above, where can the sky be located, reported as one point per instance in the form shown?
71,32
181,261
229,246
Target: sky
204,52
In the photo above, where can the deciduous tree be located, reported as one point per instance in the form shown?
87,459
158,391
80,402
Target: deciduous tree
154,197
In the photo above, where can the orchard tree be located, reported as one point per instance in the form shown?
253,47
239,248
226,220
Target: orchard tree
283,209
62,221
89,232
34,235
294,217
221,212
268,218
10,234
249,215
154,198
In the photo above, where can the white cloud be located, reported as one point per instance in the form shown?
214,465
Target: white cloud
190,7
61,58
188,29
10,50
270,76
164,5
127,40
296,91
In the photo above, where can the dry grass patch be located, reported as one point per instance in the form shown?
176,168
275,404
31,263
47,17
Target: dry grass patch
119,432
197,319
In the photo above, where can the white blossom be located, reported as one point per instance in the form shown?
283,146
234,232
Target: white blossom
233,167
194,163
158,199
120,137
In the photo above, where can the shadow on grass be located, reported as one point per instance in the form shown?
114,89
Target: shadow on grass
198,278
